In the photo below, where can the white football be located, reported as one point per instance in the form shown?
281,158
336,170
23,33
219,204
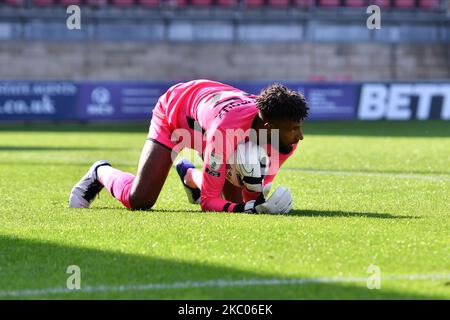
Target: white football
248,166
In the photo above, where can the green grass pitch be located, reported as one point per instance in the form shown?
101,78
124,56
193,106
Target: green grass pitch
365,193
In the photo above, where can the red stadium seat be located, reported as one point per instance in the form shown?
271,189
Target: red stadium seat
96,3
201,3
16,3
43,3
303,3
381,3
123,3
70,2
254,3
317,78
329,3
355,3
227,3
279,3
405,4
178,3
343,77
149,3
429,4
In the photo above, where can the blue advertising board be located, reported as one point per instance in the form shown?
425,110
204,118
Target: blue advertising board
24,100
92,101
118,100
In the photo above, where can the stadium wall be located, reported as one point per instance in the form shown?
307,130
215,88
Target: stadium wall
168,61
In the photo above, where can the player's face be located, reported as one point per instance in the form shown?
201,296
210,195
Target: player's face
290,131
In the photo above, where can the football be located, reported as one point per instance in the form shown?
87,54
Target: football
248,166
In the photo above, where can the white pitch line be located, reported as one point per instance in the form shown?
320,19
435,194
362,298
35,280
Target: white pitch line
219,283
371,174
70,161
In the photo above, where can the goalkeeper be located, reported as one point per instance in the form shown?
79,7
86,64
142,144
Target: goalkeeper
185,114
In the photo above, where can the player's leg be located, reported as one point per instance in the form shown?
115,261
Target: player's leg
191,178
138,192
232,193
142,191
192,181
134,192
154,166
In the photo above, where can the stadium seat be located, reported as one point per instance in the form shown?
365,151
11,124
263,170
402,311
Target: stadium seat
149,3
16,3
303,3
96,3
254,3
70,2
355,3
329,3
227,3
201,3
429,4
404,4
381,3
178,3
279,3
123,3
317,78
343,77
43,3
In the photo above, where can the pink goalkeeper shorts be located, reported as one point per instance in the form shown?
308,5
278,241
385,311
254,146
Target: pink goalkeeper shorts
160,131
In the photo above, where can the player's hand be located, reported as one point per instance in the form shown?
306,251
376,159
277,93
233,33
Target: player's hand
279,202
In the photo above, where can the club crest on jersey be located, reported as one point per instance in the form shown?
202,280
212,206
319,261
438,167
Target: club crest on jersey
215,161
212,173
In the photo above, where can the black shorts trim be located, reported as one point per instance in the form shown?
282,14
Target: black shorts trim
161,144
226,206
240,207
191,123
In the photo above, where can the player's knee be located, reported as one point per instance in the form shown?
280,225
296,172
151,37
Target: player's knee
137,203
141,206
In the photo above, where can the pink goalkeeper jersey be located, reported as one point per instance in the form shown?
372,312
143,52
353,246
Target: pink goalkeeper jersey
224,114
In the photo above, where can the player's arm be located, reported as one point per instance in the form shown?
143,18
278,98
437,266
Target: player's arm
279,202
214,172
275,166
213,181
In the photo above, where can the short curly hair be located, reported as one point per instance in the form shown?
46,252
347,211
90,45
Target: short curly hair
279,103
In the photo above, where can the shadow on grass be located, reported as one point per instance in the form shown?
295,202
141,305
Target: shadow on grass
347,214
430,128
296,212
60,148
36,265
148,211
315,213
375,172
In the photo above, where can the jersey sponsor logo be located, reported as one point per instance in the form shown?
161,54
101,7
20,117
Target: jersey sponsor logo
215,161
233,105
212,172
